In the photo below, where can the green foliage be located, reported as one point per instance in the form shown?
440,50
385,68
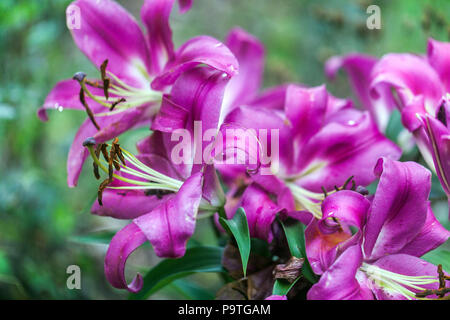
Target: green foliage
196,259
237,227
295,235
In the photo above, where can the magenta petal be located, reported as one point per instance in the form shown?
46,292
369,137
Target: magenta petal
359,68
108,31
249,52
323,248
339,282
65,94
155,15
122,245
431,236
78,153
399,207
261,211
439,58
124,204
170,225
185,5
196,51
347,206
305,108
276,297
200,92
345,149
273,98
410,75
170,117
404,264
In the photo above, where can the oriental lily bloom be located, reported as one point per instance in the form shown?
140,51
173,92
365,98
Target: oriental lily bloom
323,144
136,70
382,258
419,83
163,198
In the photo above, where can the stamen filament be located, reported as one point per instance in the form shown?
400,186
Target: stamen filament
397,282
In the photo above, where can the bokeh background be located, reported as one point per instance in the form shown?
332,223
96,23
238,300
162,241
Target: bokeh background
46,226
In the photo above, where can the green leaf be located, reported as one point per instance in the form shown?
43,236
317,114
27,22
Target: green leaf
191,291
439,256
295,236
281,287
196,259
238,228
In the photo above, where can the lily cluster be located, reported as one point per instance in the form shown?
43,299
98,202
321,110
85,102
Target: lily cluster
362,245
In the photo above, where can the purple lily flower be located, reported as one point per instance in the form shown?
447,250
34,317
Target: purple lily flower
166,219
323,142
140,69
395,228
420,83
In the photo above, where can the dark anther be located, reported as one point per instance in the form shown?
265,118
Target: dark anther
89,142
102,187
105,152
106,80
79,76
362,190
347,182
324,192
115,103
118,151
442,291
441,115
95,165
336,188
88,110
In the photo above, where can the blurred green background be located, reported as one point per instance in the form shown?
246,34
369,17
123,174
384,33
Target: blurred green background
44,225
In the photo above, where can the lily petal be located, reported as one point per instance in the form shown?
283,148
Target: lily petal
411,76
155,15
340,282
407,265
439,58
431,236
199,50
169,226
261,211
344,149
122,245
399,207
108,31
359,68
249,52
65,94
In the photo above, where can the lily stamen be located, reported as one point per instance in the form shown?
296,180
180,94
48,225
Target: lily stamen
397,283
312,201
152,179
